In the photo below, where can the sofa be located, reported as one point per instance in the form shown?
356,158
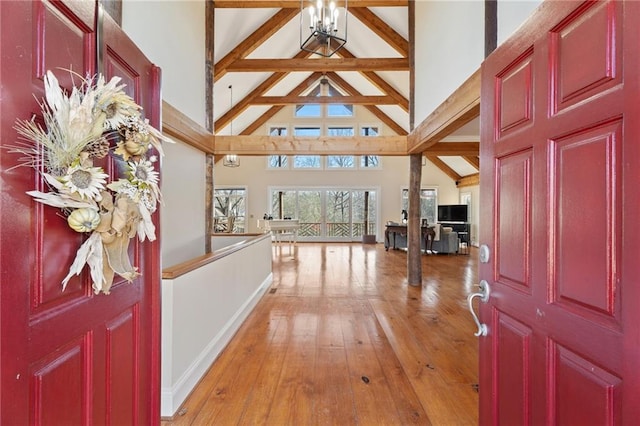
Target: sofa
445,241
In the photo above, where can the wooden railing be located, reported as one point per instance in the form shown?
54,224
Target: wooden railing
336,229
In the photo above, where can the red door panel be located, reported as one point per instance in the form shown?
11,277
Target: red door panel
561,166
515,94
68,367
584,392
513,402
584,280
69,357
123,382
513,245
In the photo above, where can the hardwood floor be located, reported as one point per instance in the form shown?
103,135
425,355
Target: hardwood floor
341,339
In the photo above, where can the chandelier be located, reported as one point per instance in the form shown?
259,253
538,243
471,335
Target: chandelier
231,160
319,24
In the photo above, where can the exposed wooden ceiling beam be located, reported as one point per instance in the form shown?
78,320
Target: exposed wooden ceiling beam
249,44
346,100
379,82
319,64
295,4
246,102
442,166
324,145
473,160
373,109
453,148
382,29
471,180
275,109
182,128
387,120
456,111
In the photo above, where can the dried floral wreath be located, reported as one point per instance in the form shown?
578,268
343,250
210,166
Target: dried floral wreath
77,130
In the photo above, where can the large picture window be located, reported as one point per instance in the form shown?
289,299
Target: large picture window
328,214
428,203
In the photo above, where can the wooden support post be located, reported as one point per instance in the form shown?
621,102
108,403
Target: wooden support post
414,231
210,160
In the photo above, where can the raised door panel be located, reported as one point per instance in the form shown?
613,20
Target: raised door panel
514,95
583,392
586,54
586,168
58,24
513,216
123,356
513,371
67,369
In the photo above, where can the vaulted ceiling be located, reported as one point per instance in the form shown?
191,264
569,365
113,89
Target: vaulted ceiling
260,68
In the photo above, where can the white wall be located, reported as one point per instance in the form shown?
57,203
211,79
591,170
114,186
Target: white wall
512,14
182,216
449,48
172,36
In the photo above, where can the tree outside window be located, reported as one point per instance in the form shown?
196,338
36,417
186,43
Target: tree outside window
278,162
428,203
369,161
229,209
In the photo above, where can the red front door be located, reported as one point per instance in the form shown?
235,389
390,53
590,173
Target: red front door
560,162
69,357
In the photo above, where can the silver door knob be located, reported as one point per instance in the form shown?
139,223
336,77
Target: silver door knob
483,294
485,253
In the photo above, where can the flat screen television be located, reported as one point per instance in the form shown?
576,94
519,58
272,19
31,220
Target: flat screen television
452,213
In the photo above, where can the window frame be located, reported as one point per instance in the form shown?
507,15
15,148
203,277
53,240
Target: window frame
404,206
245,203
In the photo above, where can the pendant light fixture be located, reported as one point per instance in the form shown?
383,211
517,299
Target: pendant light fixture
323,26
231,160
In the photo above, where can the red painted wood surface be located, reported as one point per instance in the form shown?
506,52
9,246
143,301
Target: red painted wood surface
68,357
561,166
